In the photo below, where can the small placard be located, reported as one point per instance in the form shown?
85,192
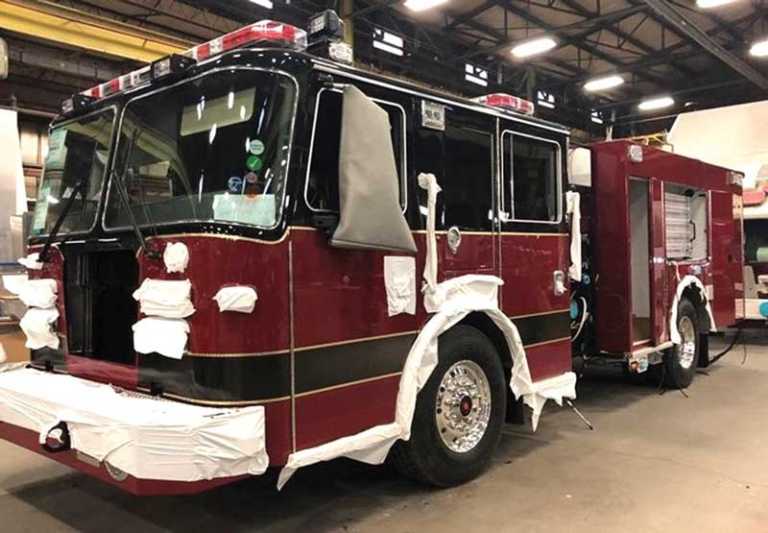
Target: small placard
432,115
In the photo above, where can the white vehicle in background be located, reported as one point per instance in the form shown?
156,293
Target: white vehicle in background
737,137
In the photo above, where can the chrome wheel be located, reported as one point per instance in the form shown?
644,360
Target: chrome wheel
687,349
463,406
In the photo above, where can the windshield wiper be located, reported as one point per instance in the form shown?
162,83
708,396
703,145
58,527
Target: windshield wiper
118,180
79,189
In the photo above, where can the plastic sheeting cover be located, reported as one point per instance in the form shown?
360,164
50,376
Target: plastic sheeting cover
37,292
400,284
688,281
31,261
142,436
573,203
166,336
176,257
168,299
37,325
238,298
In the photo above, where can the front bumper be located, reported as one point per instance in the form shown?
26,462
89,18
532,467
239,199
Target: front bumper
142,444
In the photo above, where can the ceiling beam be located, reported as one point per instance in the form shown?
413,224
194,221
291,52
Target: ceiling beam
685,25
573,40
624,36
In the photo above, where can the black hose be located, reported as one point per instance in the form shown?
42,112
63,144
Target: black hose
728,349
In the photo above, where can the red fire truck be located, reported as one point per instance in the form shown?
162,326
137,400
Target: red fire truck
226,260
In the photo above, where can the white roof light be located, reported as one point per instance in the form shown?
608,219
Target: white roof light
656,103
422,5
263,3
534,47
604,83
707,4
596,117
759,49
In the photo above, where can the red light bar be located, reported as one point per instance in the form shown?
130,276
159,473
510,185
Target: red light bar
508,102
264,31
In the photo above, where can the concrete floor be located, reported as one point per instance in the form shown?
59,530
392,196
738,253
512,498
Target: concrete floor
654,463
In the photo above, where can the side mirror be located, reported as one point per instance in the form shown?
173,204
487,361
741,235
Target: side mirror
370,214
3,59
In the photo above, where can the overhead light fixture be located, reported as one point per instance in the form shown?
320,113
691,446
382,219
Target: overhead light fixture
759,49
263,3
546,99
389,42
476,75
656,103
597,117
603,84
423,5
534,47
709,4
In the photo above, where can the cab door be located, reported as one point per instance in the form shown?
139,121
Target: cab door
461,156
534,246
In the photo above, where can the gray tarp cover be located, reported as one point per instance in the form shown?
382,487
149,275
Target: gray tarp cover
371,215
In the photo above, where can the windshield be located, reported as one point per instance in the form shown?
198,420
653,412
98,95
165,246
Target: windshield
75,165
212,149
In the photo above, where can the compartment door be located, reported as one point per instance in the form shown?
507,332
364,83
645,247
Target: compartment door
727,257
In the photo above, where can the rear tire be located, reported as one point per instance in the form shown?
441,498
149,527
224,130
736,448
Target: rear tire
459,413
680,360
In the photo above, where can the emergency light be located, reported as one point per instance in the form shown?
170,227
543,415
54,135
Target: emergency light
77,102
173,64
506,102
265,32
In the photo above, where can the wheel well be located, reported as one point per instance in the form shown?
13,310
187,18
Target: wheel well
481,321
693,294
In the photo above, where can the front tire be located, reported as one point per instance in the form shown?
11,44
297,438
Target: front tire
680,360
459,413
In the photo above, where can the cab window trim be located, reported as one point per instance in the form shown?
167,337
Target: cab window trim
403,200
558,177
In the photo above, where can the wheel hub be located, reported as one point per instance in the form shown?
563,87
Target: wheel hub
687,349
463,406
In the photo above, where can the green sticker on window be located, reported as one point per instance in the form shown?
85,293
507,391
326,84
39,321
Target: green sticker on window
254,163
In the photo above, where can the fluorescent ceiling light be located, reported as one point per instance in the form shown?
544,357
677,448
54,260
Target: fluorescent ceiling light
534,47
263,3
388,48
656,103
707,4
476,80
759,49
603,84
422,5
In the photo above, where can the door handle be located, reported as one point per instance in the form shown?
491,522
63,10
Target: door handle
558,282
453,239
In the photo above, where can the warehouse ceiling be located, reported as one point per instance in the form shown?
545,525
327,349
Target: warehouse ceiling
698,56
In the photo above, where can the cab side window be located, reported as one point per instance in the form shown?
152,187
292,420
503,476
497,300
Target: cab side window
322,186
531,178
468,180
461,158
